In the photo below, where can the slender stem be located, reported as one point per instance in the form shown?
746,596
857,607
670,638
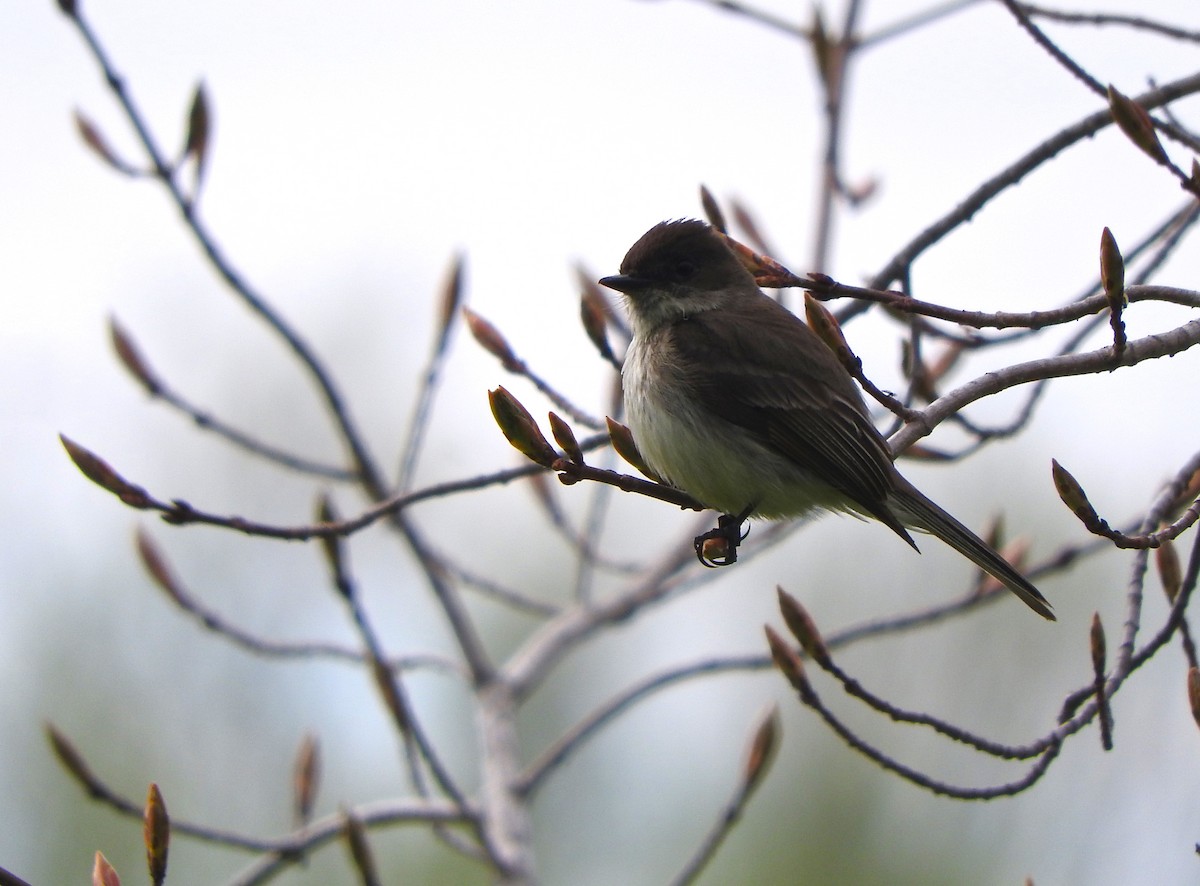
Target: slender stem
350,435
836,68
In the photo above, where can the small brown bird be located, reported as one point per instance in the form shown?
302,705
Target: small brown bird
734,400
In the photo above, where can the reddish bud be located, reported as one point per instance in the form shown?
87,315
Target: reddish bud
623,443
131,357
744,219
199,127
1098,645
386,684
822,48
1112,268
451,300
761,751
593,314
1072,494
825,325
1191,491
331,546
766,271
98,144
490,338
1137,125
565,438
712,210
788,662
101,473
305,777
155,564
803,628
70,758
103,873
1193,690
1170,573
520,429
156,831
360,850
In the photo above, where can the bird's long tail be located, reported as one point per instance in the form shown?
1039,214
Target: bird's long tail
917,511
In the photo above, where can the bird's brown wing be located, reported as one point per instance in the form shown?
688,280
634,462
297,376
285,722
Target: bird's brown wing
787,389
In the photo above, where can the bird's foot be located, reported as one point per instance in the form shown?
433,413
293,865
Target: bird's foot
718,547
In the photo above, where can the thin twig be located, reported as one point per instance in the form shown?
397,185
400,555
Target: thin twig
936,786
1150,347
760,16
427,393
153,384
178,512
1009,177
578,735
365,466
1134,22
284,852
915,21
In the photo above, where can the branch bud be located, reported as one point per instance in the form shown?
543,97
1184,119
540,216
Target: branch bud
101,473
761,752
789,663
766,271
199,129
1112,268
451,300
712,210
1098,646
360,850
825,325
800,623
1137,125
131,357
384,682
626,447
565,437
98,144
1072,494
594,316
1170,573
306,775
156,565
70,758
103,873
1193,690
520,429
156,831
1112,278
331,547
744,219
492,341
821,48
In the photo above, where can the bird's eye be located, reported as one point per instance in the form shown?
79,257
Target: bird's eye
684,269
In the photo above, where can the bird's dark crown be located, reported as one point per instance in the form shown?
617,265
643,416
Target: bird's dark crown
684,252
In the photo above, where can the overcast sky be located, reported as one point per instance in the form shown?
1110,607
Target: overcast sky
358,146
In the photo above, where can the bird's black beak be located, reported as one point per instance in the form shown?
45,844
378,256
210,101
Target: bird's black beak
626,283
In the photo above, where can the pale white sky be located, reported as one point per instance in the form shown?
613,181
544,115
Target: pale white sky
357,146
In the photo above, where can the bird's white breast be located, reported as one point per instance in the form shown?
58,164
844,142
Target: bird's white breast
705,456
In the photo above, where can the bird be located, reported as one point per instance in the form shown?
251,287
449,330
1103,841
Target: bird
733,399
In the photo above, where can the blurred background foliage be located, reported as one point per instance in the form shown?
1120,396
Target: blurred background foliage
357,147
